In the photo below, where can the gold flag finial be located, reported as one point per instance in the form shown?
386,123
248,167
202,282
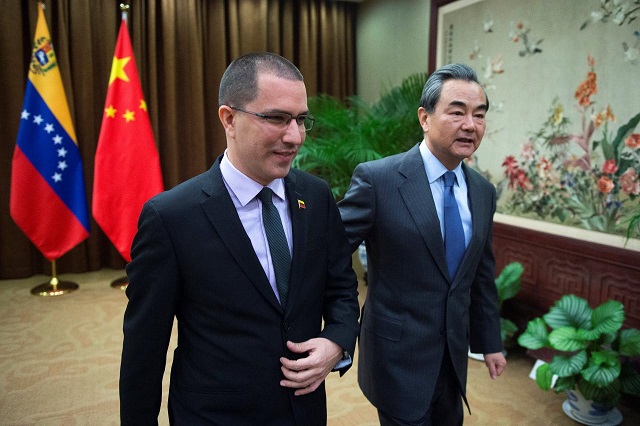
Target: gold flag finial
124,8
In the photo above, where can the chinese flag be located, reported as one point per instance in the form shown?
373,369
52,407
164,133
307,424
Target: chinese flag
48,200
127,168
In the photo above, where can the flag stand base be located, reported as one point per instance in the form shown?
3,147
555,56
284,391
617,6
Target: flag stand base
120,283
57,288
54,287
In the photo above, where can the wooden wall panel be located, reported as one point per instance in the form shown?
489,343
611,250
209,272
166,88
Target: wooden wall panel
555,265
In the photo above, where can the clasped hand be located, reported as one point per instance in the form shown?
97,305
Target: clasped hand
306,374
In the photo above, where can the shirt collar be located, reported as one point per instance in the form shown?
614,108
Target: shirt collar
243,187
435,169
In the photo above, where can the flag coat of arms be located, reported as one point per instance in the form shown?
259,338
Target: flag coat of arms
127,167
48,200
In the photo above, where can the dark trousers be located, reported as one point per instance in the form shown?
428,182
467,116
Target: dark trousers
445,409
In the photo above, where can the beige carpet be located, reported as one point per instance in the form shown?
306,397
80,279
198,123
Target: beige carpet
59,361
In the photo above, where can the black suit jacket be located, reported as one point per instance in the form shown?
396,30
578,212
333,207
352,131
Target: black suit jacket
192,259
413,307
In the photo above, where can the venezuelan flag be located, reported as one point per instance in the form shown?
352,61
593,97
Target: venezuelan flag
48,200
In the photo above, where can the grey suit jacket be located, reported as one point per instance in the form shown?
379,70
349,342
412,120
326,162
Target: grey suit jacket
413,307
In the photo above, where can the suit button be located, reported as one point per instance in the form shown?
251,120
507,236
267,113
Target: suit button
443,332
286,326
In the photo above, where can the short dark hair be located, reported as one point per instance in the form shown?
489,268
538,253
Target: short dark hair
433,87
239,83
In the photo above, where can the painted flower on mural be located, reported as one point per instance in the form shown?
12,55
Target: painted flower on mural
576,177
520,33
619,12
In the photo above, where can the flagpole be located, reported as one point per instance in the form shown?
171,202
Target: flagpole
54,287
121,283
49,207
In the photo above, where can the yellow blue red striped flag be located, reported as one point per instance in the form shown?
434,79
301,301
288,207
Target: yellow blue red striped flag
48,200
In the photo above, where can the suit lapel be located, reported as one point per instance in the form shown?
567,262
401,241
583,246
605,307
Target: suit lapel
223,216
416,193
477,200
299,225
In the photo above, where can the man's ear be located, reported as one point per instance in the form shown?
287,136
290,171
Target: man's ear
227,118
423,118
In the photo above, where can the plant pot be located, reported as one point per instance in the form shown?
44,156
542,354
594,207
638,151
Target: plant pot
586,412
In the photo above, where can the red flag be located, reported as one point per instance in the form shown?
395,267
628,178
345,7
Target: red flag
48,200
127,167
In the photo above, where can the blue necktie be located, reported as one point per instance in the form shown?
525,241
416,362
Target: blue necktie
278,246
453,233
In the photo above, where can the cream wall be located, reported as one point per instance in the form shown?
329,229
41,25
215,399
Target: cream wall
392,42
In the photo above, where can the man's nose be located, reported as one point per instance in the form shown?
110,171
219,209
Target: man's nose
294,133
468,123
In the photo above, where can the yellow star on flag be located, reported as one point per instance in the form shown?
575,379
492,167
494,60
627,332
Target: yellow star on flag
111,111
129,116
143,105
117,69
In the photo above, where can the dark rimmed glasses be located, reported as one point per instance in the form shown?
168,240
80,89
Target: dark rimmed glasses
281,120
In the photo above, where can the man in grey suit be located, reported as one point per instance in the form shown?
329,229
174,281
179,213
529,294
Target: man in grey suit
427,301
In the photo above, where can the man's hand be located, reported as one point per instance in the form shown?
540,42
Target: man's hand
306,374
496,363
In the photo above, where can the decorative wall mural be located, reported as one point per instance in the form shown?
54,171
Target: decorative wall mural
584,175
565,145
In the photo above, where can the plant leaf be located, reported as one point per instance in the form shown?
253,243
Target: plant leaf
603,368
508,282
608,317
629,342
535,336
566,366
544,377
623,132
569,311
567,339
508,325
565,383
507,328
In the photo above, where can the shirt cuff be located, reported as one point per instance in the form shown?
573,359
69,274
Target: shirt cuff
343,362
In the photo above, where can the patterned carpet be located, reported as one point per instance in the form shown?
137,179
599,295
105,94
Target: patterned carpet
59,361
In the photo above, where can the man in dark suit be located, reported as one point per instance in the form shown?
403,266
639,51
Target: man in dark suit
423,310
260,324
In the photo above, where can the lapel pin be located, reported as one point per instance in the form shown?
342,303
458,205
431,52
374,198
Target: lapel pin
301,204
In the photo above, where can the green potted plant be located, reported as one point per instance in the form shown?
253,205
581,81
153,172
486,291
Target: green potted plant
508,285
592,356
352,132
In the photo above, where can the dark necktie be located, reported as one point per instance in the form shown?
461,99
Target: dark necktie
278,246
453,233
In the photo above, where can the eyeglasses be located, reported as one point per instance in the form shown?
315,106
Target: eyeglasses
281,120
